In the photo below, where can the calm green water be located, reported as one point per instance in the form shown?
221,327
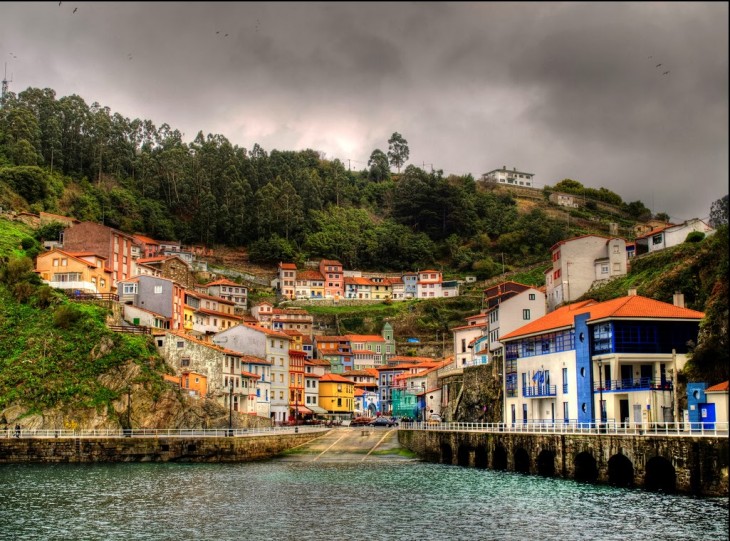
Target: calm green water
280,500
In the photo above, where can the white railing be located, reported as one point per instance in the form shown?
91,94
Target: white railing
610,427
157,433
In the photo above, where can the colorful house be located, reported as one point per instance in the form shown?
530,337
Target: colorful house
587,362
337,396
83,272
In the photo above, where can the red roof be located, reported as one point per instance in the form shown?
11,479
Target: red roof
288,266
223,282
633,306
310,275
724,386
335,378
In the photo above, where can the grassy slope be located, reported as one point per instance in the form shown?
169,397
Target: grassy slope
46,365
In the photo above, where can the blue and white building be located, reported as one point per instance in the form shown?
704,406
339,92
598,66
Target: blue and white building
615,360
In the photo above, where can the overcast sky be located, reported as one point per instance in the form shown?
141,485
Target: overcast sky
561,90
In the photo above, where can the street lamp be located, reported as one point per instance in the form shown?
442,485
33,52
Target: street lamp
230,407
600,392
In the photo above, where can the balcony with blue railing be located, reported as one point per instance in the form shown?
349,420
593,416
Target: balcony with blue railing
537,391
633,384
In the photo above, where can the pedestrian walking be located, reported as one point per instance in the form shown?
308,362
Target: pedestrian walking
17,431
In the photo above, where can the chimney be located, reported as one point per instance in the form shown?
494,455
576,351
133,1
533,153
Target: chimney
678,299
514,169
632,292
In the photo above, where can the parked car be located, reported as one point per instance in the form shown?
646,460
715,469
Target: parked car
433,419
361,421
383,421
406,420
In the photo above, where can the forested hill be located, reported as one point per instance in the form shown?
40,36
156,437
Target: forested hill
64,156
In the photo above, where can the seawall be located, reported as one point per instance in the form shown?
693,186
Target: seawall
691,465
149,449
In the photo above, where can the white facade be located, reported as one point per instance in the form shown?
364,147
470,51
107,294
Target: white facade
577,263
269,345
511,314
509,178
464,337
674,235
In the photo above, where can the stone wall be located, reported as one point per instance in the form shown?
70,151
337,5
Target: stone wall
692,465
149,449
480,387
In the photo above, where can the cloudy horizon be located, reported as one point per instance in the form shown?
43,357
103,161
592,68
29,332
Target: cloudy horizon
632,97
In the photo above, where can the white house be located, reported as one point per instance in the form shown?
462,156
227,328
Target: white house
464,337
510,178
267,344
670,235
587,362
509,306
580,261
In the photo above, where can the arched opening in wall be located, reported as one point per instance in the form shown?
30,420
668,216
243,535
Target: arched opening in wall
660,475
546,463
620,471
462,455
447,455
480,457
586,468
499,458
522,461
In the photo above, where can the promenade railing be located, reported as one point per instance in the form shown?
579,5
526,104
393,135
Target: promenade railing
158,433
610,427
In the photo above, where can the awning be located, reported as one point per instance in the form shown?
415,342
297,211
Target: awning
302,409
317,409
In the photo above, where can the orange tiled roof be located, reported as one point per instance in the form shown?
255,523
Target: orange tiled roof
633,306
724,386
287,266
144,239
310,275
364,338
330,262
335,378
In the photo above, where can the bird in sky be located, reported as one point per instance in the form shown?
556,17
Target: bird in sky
59,3
665,73
76,9
225,36
217,32
658,65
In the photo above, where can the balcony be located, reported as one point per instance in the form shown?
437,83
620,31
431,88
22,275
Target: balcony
639,384
537,391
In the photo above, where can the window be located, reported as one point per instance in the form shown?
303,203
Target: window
180,344
158,290
604,269
185,361
531,296
615,249
656,239
526,314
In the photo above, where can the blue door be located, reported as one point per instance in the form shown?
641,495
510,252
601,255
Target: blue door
707,416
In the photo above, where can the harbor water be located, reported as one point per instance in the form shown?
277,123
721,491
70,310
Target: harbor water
283,500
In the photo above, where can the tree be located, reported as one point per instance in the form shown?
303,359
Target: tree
398,150
719,212
662,217
379,166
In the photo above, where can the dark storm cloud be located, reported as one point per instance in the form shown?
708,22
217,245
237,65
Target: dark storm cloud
556,89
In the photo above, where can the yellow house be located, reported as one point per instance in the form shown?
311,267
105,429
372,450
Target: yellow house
336,394
188,318
77,271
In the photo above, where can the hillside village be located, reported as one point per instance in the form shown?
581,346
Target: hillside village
557,358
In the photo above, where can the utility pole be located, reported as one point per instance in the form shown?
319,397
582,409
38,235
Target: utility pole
5,82
674,389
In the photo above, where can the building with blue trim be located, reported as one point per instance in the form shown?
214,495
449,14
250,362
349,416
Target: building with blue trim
587,362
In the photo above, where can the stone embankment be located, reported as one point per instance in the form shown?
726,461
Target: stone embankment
150,448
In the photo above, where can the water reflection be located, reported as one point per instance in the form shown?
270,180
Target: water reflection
282,500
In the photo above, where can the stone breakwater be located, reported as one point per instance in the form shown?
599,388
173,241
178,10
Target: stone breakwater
149,449
691,465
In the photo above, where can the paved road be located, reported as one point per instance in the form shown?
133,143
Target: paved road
352,444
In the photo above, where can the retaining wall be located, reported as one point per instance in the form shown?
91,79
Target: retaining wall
149,449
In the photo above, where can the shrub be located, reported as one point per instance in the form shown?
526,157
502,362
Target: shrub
65,316
695,236
22,291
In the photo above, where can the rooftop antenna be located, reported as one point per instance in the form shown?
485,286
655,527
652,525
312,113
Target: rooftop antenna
5,82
